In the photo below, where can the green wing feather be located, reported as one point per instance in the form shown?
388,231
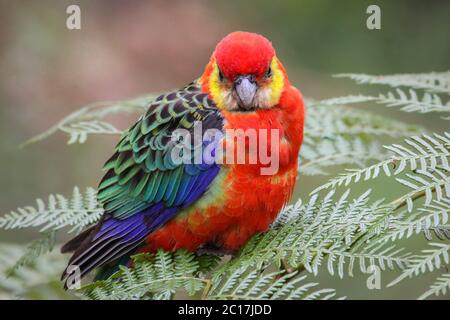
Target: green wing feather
141,172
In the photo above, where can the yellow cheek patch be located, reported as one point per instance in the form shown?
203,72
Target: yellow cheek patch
275,86
215,88
277,83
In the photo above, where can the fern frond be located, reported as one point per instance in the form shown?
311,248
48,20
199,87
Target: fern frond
77,212
289,213
155,276
407,101
430,260
325,153
307,234
442,232
326,121
79,131
423,153
432,214
432,81
39,280
252,284
427,184
337,258
430,218
413,103
350,99
342,136
394,223
86,120
36,249
440,286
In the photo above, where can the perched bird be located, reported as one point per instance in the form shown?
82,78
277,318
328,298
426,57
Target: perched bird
152,202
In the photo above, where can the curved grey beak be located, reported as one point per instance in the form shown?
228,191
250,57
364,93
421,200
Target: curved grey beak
246,87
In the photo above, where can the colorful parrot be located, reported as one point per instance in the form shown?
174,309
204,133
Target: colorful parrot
151,202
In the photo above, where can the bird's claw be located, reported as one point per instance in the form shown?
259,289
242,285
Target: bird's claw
213,250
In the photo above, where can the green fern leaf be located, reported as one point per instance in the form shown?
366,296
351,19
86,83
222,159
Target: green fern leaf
433,81
423,153
154,276
440,286
77,212
33,251
430,260
86,120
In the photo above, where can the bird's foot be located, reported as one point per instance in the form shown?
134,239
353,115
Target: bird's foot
214,250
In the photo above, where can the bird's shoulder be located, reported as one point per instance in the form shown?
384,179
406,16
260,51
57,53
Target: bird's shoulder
142,171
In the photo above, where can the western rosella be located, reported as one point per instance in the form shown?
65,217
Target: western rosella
151,201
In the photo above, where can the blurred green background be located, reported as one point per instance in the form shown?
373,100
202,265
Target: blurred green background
127,48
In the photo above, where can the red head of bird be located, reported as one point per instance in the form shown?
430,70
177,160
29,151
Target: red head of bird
244,73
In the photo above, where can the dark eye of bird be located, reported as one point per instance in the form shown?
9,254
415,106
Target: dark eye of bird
221,78
268,72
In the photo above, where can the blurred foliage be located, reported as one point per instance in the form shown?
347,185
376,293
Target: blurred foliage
331,36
